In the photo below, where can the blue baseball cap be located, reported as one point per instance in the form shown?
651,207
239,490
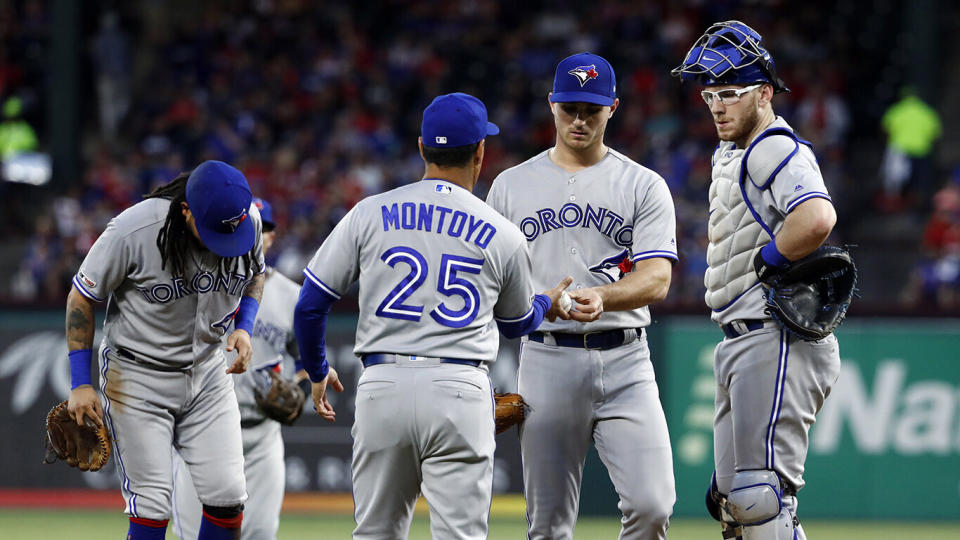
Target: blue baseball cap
584,77
266,212
456,119
219,198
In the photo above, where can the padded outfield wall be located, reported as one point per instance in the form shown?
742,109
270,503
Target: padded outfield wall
886,445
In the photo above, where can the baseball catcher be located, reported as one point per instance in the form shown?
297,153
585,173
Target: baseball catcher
283,401
85,446
510,410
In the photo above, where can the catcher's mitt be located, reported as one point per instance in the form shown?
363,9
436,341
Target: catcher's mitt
811,296
510,410
284,400
86,446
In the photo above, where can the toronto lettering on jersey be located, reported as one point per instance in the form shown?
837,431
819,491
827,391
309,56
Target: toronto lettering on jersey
430,218
202,282
271,333
572,215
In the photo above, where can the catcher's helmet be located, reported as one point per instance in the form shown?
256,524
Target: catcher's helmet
729,52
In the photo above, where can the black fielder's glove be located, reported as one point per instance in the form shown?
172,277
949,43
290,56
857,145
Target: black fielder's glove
283,401
810,296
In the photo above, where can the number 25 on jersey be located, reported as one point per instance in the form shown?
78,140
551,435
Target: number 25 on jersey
448,284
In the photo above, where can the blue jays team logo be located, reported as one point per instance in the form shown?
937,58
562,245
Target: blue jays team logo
613,268
584,73
235,221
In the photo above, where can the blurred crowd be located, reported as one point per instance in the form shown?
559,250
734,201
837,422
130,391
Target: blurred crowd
319,104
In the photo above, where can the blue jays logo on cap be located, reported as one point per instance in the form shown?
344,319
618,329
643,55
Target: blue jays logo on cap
234,222
584,74
573,74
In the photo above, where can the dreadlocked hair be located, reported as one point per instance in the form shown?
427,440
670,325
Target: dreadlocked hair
174,239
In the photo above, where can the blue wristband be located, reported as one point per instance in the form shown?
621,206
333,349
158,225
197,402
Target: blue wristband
246,314
80,367
772,256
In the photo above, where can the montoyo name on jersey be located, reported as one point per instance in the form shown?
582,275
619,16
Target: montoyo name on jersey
429,218
202,282
572,215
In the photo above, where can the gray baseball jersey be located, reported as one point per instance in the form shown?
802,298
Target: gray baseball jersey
161,361
161,320
435,266
434,255
770,385
586,224
263,463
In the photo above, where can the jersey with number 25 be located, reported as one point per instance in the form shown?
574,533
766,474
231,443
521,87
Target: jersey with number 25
435,264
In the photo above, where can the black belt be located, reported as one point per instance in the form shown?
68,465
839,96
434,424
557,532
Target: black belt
607,339
379,358
741,327
251,422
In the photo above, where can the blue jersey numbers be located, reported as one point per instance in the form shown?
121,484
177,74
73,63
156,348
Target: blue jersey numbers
449,283
393,306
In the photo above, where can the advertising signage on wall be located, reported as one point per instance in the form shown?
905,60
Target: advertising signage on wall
890,426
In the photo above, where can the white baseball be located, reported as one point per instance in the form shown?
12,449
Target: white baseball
565,302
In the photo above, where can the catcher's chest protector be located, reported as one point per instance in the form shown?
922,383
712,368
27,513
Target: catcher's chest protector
734,234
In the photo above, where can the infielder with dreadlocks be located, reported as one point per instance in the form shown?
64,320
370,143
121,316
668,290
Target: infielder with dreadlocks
768,207
175,270
274,350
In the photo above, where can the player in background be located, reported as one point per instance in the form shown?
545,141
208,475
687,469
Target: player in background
596,215
274,348
768,206
436,268
176,270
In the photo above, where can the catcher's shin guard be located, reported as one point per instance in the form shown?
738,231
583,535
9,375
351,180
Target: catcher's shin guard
756,504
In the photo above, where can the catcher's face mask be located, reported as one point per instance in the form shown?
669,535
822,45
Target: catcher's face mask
729,53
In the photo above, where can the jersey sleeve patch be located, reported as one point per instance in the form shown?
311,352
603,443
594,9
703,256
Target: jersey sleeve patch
81,282
323,286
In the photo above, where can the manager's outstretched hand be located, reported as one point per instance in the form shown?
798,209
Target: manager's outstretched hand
320,402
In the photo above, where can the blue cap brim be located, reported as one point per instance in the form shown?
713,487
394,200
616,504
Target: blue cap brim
234,244
581,97
492,129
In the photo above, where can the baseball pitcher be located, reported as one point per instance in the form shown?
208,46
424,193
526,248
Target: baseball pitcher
176,270
591,212
769,207
436,268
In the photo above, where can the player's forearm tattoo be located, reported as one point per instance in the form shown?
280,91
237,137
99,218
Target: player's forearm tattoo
255,288
80,327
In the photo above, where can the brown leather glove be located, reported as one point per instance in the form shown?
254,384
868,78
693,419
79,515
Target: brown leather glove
86,446
510,410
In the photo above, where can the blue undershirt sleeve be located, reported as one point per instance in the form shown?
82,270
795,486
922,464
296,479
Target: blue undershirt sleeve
309,324
541,305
